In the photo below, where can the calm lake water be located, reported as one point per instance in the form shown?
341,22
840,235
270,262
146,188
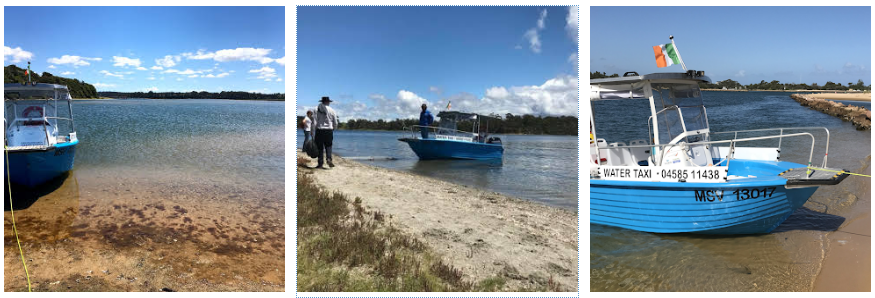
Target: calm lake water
166,193
786,260
547,164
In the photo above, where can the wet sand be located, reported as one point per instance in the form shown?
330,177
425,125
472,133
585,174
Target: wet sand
847,266
485,234
148,231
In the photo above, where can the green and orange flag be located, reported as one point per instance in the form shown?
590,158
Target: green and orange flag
666,55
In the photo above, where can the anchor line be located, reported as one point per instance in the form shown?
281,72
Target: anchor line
840,172
12,211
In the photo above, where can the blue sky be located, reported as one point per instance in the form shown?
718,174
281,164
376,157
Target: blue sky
384,62
745,44
152,48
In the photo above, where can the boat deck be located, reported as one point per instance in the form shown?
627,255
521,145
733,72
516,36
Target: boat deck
799,176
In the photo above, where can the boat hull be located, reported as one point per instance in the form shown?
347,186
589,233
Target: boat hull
746,206
450,149
33,168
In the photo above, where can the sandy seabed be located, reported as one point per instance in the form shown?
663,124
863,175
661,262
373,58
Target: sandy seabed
94,231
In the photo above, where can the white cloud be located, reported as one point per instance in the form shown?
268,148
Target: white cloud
279,79
193,76
571,22
497,92
179,79
141,68
435,90
281,61
16,55
156,67
573,60
188,72
238,54
265,73
555,97
534,40
200,55
102,85
67,73
151,78
170,70
542,19
740,74
125,61
76,61
532,34
167,61
221,75
110,74
52,67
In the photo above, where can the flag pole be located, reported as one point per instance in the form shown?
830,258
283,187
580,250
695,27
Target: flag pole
677,51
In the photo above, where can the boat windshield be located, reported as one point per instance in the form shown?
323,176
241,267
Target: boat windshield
681,110
29,94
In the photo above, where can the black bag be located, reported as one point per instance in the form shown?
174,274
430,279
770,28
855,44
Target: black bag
310,148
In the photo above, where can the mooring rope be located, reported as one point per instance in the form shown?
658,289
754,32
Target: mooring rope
840,172
12,211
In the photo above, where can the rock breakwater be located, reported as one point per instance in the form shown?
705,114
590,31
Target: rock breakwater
859,116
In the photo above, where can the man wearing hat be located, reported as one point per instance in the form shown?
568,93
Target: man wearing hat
326,123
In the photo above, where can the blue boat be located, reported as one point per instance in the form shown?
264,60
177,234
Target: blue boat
447,142
40,142
677,179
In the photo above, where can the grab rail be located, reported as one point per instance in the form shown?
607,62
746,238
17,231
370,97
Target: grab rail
781,132
731,145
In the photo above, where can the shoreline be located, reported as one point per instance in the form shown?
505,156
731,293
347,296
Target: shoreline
484,234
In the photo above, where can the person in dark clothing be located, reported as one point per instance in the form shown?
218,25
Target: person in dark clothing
326,123
425,119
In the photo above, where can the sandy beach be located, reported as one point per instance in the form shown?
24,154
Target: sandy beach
484,234
843,96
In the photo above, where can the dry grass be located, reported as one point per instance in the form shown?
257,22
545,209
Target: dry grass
344,247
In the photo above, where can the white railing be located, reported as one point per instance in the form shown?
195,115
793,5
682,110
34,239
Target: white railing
730,153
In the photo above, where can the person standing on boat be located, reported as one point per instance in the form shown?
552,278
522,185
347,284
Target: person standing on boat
425,119
307,125
326,123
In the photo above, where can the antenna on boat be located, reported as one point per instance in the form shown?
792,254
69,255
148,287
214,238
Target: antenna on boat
677,51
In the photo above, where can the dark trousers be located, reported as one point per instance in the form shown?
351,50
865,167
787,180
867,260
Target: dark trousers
424,132
306,138
324,139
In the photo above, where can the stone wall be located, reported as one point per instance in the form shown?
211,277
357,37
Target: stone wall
859,116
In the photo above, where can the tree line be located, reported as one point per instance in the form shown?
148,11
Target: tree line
238,95
508,124
777,85
77,88
763,85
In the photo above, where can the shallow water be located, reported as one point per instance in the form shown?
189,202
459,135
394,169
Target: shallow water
785,260
547,164
186,195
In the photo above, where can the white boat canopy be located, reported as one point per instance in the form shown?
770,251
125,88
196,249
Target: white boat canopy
633,86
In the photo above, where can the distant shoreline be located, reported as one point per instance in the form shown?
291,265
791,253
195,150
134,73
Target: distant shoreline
796,91
110,98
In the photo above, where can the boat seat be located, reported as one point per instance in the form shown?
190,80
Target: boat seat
602,144
639,154
619,156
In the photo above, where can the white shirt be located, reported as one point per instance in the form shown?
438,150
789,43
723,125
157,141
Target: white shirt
307,123
326,118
